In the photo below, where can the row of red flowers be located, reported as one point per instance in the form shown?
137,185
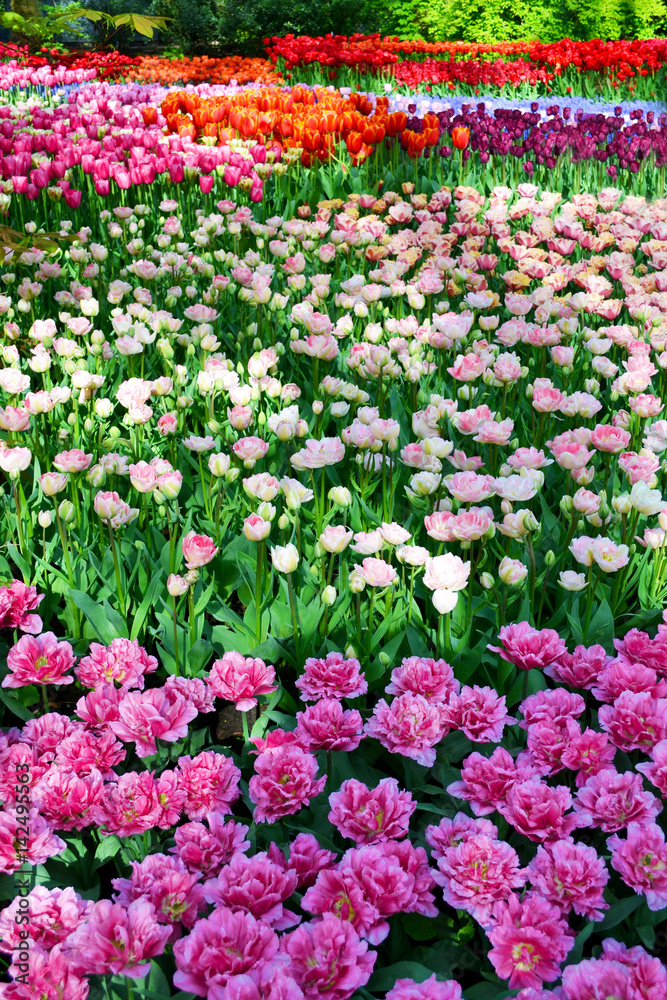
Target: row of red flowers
620,59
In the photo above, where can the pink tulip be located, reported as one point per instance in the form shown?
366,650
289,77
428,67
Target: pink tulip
198,550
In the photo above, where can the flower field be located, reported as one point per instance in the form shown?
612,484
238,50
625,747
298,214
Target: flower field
333,525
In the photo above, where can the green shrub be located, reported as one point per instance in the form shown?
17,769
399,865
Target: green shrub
238,26
507,20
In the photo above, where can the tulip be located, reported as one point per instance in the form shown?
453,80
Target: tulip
285,558
460,137
198,550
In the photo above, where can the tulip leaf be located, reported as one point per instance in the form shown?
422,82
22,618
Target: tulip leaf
106,623
107,848
619,911
14,705
384,979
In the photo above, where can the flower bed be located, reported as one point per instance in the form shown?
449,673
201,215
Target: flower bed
334,659
633,68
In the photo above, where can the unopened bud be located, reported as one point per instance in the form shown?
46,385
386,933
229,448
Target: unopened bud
566,505
622,504
340,495
177,585
67,512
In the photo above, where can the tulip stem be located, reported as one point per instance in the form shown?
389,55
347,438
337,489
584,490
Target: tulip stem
370,622
244,723
191,616
258,593
292,607
531,570
173,617
116,566
18,516
68,567
209,512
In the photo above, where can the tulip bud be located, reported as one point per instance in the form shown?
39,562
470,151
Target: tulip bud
486,580
622,504
266,511
177,585
96,475
103,408
45,519
67,512
384,659
318,406
350,652
530,522
328,596
566,505
285,558
283,522
340,495
550,559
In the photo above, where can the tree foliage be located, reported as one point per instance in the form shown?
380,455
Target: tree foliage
507,20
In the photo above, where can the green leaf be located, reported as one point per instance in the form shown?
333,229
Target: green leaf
419,927
157,981
107,848
601,629
199,656
106,623
385,979
145,606
582,937
487,991
619,911
15,706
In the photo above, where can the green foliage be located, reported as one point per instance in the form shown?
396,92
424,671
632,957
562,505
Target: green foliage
220,27
42,28
509,20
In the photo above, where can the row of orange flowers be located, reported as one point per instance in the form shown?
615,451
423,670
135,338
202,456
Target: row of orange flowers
314,121
202,69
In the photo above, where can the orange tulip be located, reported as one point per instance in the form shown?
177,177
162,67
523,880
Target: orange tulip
460,137
248,124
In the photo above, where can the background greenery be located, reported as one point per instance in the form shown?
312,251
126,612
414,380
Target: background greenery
220,27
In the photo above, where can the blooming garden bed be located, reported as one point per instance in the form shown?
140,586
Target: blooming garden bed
334,658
